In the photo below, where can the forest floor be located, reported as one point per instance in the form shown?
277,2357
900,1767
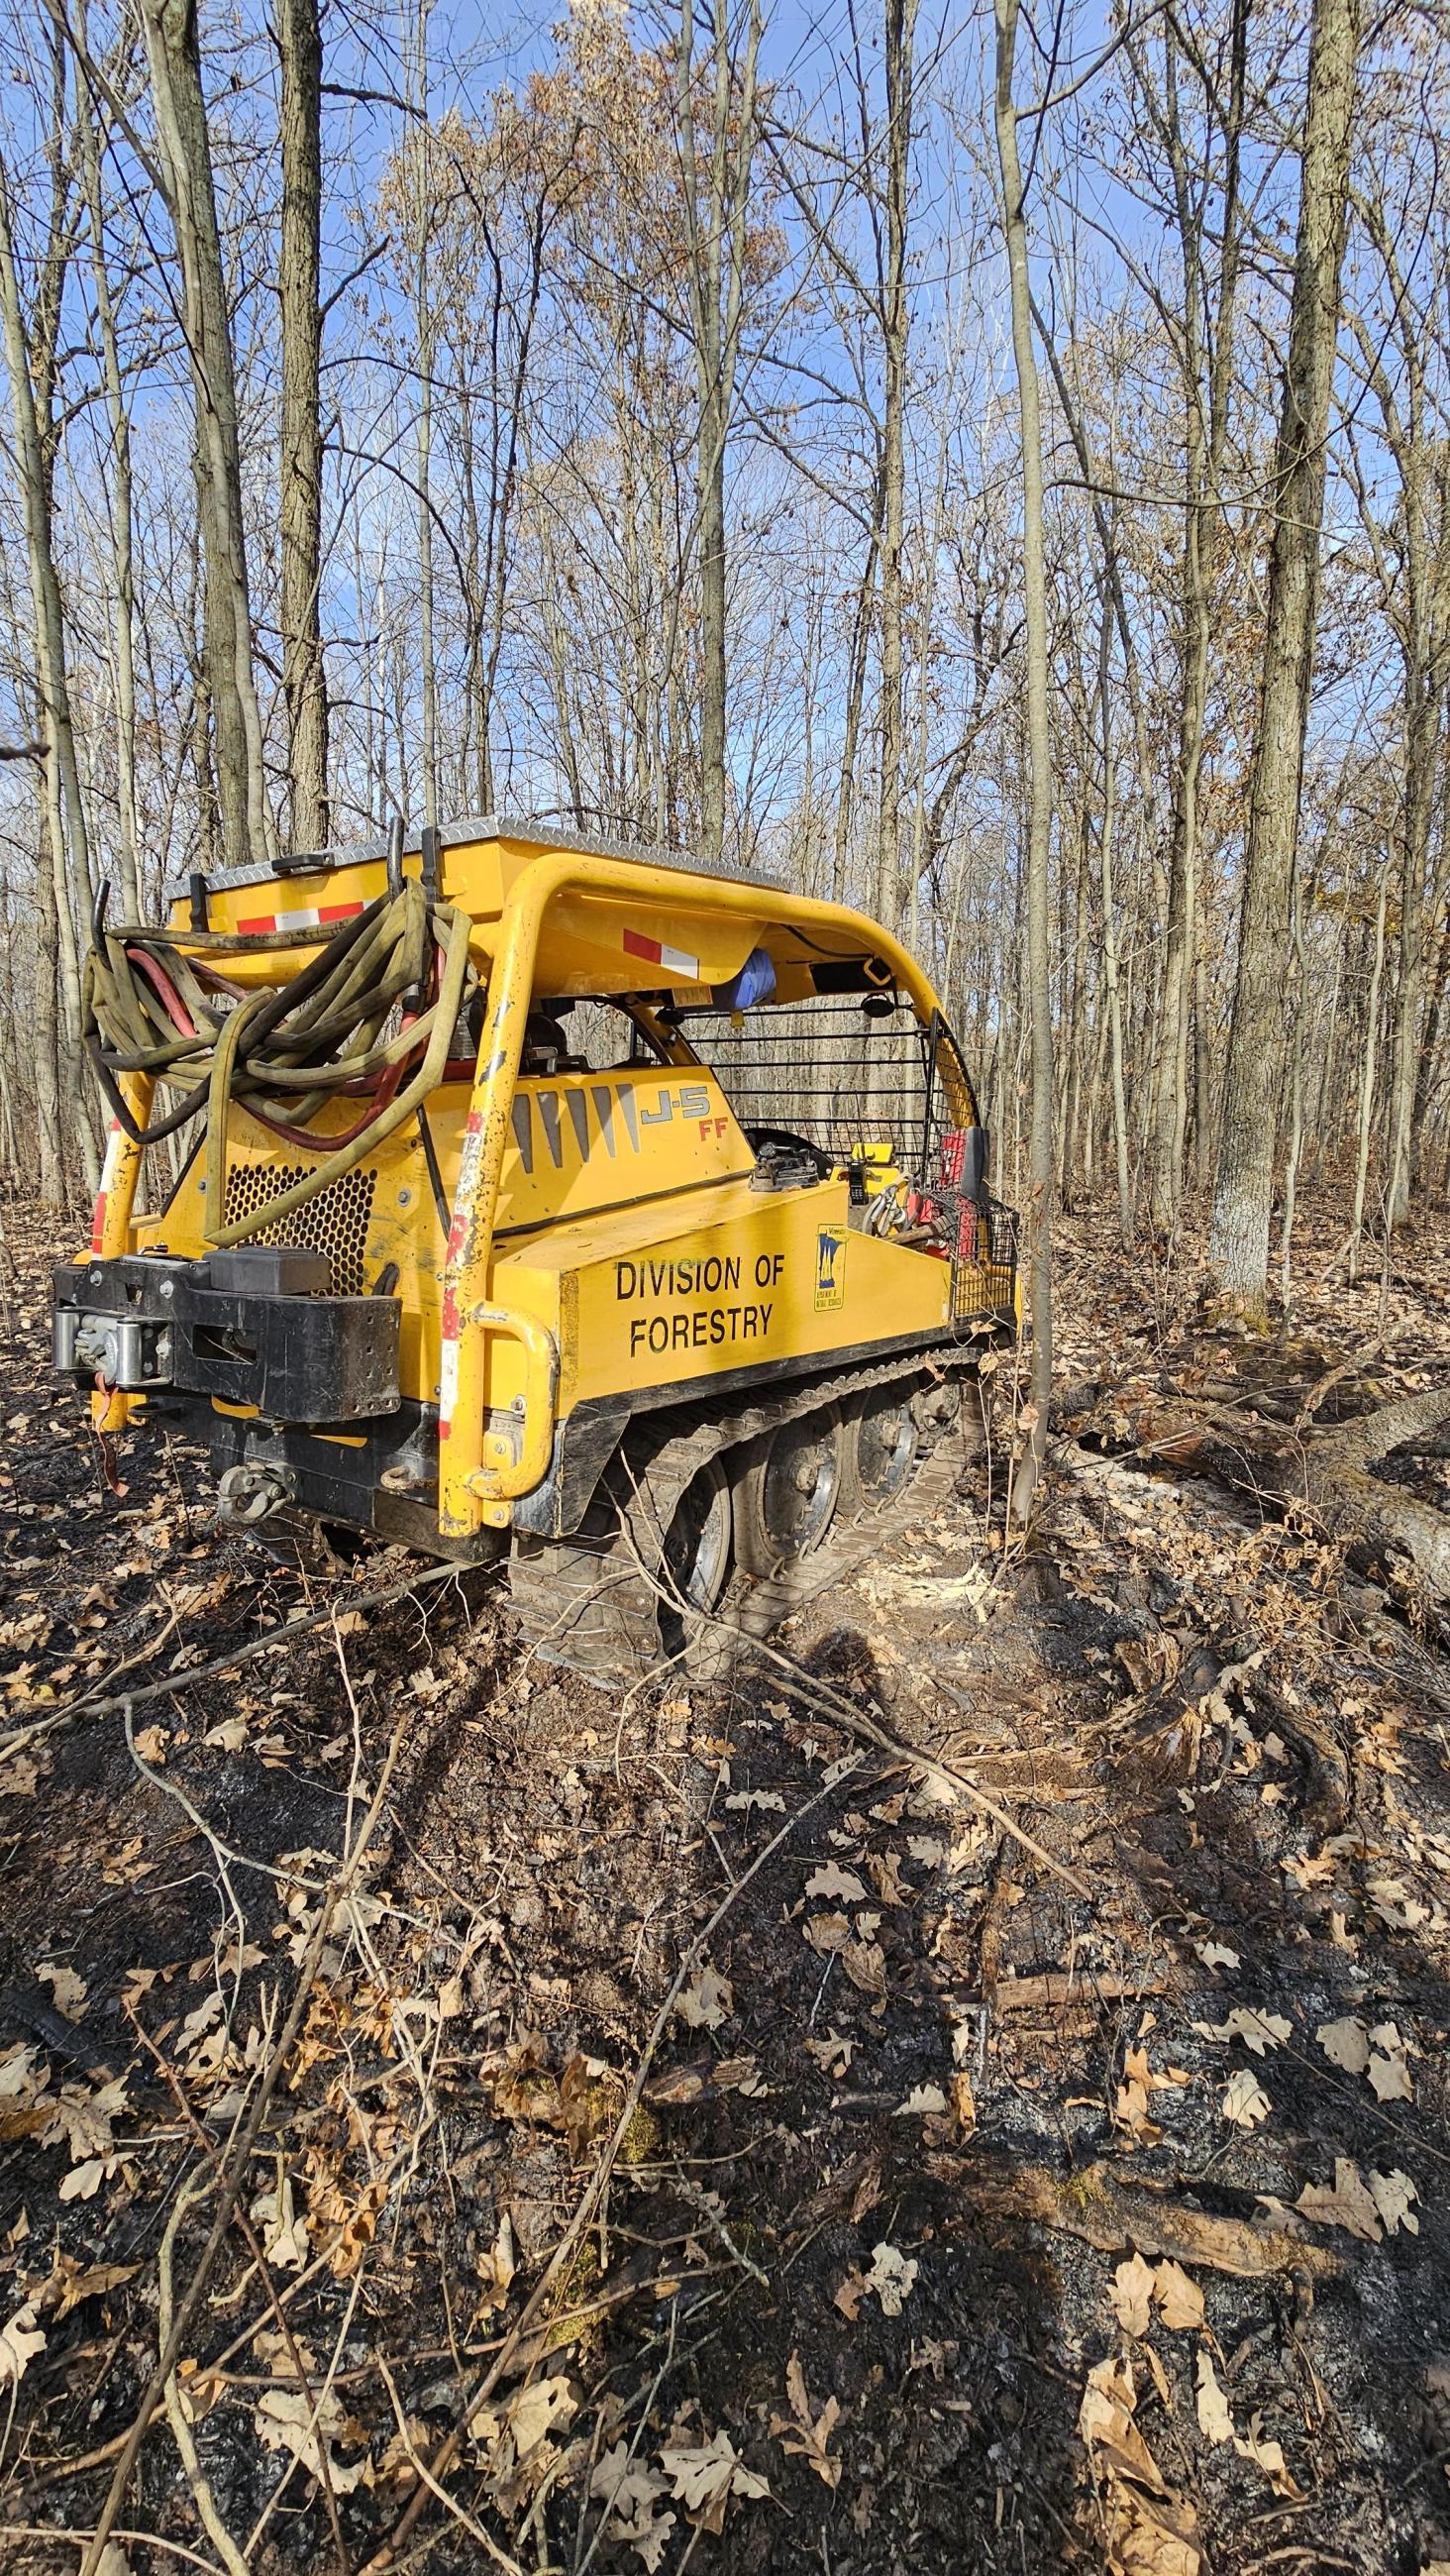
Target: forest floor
680,2128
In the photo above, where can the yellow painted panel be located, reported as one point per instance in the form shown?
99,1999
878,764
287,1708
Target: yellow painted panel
754,1277
599,943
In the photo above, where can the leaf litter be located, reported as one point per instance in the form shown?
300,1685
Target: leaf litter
882,2240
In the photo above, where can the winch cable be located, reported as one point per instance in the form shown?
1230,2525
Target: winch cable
156,1004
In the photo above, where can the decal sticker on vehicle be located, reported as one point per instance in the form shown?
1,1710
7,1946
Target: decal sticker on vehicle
320,918
830,1268
675,961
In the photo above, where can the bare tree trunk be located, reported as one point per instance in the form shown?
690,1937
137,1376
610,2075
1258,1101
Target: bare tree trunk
1185,979
120,510
1239,1237
900,32
173,53
50,1133
1299,1014
65,820
855,699
1039,756
423,331
1110,942
299,273
715,222
1367,1073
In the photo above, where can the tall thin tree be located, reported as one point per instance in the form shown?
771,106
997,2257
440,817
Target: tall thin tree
1039,750
299,271
1238,1258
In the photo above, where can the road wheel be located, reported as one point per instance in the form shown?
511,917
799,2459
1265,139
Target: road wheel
786,1492
695,1564
879,1449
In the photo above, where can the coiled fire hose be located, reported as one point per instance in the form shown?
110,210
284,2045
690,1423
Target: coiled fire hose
379,1002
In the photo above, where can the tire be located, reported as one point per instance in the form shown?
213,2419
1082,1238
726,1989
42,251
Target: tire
786,1493
880,1448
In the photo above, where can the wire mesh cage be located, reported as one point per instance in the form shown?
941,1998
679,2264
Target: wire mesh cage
825,1072
870,1088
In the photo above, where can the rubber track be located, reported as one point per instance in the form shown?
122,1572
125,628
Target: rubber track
585,1602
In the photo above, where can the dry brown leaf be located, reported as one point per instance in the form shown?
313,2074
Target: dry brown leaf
1268,2456
629,2490
704,2475
1130,2294
1257,2030
806,2437
20,2340
1344,2203
832,2054
707,2002
865,1965
922,2099
1392,2194
68,1989
285,2421
831,1880
1345,2043
849,2293
1105,2422
892,2276
1215,2421
1177,2297
1245,2102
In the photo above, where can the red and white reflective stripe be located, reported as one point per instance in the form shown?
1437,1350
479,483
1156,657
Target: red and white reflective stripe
314,920
676,961
450,1320
114,1141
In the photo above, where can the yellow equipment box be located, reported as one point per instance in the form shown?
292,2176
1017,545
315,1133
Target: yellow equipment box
538,1193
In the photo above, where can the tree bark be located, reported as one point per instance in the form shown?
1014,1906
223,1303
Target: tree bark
900,34
173,54
1239,1235
65,820
120,512
1039,754
715,221
299,275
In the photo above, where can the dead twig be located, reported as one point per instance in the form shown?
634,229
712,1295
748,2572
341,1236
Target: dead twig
834,1703
205,2501
208,2510
282,1635
233,2174
83,2540
385,2555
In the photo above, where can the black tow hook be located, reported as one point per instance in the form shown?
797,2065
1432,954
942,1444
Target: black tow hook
249,1493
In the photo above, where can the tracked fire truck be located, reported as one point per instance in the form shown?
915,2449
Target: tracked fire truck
538,1198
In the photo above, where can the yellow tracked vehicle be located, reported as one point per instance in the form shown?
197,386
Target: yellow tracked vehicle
542,1197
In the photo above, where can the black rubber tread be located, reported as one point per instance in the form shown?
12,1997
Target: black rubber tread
589,1603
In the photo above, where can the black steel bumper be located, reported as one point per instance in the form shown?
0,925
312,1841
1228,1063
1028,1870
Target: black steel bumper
251,1327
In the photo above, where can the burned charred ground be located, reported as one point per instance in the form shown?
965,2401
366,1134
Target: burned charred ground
967,2089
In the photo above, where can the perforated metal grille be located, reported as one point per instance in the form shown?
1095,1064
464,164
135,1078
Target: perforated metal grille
335,1222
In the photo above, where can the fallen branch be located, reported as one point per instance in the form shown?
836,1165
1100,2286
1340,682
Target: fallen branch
1338,1474
1070,1986
1096,2206
55,2531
